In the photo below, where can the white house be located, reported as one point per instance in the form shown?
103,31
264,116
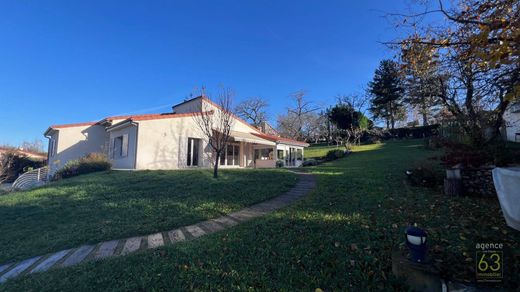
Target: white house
168,141
512,122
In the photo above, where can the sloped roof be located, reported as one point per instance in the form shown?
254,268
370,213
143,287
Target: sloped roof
279,139
144,117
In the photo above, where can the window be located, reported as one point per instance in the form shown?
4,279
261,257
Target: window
193,152
120,146
299,154
280,154
230,155
264,154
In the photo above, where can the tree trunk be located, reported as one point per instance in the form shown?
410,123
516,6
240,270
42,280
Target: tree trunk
453,187
215,167
424,119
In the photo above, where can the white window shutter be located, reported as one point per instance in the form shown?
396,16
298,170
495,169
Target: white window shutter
124,147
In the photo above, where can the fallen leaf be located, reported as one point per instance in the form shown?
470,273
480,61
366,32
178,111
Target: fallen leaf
353,247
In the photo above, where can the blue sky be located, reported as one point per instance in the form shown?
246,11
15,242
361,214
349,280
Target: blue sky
76,61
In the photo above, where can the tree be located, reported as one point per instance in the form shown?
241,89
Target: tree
253,110
215,124
296,122
422,86
13,163
349,119
34,146
478,51
387,92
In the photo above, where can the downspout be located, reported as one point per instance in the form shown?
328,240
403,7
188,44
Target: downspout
136,144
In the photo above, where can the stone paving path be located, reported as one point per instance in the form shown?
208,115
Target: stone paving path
120,247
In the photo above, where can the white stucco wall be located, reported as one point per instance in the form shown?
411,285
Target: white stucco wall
238,124
512,123
163,143
127,162
188,107
76,142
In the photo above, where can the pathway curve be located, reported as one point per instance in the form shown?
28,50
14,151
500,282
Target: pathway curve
125,246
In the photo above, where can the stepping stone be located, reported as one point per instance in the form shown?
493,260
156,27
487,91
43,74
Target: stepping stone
244,215
75,256
225,220
263,207
131,245
20,268
211,226
50,261
79,255
195,230
155,240
106,249
176,235
4,267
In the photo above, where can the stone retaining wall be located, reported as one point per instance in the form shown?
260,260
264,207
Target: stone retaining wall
478,181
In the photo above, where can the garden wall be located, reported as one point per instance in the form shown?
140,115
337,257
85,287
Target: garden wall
478,181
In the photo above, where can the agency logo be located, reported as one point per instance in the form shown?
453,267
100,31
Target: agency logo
489,261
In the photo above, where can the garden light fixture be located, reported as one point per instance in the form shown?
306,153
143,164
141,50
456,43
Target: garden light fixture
416,242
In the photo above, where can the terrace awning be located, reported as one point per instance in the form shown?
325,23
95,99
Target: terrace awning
249,138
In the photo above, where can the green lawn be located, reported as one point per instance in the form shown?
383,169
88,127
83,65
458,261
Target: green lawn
320,151
117,204
340,237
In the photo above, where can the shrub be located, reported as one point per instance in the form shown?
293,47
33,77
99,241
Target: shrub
91,162
433,142
334,154
498,153
415,132
310,162
12,164
426,173
280,163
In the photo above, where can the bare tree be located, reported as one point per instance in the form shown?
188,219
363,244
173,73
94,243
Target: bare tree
215,121
32,146
298,118
253,110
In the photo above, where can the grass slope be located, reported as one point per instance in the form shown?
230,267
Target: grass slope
110,205
340,237
320,150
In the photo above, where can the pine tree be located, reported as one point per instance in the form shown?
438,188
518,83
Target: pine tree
387,93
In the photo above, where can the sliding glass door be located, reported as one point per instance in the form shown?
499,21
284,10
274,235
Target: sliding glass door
231,155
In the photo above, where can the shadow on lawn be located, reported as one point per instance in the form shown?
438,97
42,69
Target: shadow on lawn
114,205
339,237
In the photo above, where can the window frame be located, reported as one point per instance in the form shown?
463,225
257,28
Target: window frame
224,156
193,144
122,149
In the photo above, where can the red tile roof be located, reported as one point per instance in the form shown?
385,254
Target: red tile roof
73,125
280,139
145,117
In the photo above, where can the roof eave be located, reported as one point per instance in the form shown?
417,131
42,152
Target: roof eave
121,125
47,132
